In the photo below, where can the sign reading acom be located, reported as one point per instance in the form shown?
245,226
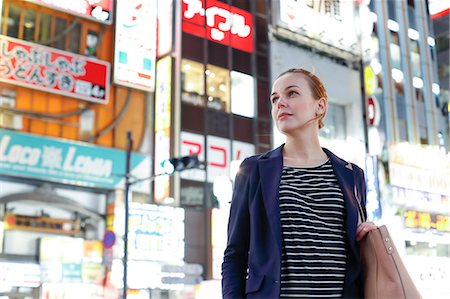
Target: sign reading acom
67,162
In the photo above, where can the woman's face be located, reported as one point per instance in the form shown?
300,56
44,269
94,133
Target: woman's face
293,104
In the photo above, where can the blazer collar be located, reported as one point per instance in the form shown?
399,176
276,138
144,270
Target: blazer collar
271,167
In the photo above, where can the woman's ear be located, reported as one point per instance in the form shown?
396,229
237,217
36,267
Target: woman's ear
321,106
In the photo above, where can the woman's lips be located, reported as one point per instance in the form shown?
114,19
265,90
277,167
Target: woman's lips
283,115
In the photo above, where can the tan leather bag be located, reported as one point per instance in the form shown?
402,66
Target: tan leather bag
384,274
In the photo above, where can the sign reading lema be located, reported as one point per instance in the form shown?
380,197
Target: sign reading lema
47,69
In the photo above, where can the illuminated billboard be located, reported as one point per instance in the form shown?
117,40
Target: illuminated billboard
135,44
218,22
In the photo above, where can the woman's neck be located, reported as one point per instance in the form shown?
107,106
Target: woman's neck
303,151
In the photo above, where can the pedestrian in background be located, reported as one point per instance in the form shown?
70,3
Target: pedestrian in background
293,229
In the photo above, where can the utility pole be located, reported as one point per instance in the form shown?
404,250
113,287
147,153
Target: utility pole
125,235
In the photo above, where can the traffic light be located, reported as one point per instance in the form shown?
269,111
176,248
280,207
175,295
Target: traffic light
180,163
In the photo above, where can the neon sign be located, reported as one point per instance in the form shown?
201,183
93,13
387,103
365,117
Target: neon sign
224,24
414,219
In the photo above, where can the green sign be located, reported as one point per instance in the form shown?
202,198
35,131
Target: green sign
69,162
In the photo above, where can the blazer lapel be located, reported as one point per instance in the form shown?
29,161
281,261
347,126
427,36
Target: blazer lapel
346,178
270,168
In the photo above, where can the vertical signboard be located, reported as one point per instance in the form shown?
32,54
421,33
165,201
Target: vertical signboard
135,45
163,98
165,27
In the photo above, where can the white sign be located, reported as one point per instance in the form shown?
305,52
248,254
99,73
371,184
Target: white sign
218,151
135,44
20,275
419,179
331,22
165,19
242,94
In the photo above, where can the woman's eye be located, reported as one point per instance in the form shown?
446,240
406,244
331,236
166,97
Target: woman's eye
273,100
292,93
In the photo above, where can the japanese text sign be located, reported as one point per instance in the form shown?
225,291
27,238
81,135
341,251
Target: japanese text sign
218,151
47,69
224,24
99,10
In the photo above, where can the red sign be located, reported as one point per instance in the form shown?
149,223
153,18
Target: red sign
225,24
99,10
47,69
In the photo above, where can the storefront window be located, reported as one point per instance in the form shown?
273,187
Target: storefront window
242,94
12,21
192,82
58,30
29,24
218,88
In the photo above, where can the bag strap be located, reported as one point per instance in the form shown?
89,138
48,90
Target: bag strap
361,217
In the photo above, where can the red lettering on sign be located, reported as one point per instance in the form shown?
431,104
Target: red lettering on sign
224,155
194,147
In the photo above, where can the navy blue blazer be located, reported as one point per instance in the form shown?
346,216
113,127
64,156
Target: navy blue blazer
252,261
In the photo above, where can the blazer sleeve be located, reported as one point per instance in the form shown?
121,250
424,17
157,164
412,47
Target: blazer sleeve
235,262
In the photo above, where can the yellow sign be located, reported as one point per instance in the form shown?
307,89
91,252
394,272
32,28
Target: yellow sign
370,80
42,224
415,219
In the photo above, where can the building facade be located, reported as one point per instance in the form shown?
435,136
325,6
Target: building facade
64,114
407,140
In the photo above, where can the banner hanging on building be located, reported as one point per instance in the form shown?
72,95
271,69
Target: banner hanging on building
67,162
48,69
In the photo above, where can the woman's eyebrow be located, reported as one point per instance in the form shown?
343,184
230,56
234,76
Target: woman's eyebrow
290,86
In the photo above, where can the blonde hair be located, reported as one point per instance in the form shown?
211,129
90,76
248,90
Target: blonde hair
317,88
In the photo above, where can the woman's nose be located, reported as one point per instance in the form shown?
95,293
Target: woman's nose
281,102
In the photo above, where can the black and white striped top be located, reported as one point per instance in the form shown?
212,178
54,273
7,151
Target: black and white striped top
312,215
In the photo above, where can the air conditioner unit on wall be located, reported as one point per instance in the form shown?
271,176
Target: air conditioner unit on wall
9,119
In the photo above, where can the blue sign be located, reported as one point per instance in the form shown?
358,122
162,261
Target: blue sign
69,162
373,204
109,239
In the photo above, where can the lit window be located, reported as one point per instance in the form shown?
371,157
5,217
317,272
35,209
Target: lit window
242,94
217,88
192,82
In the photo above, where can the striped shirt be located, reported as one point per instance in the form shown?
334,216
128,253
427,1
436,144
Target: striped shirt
312,216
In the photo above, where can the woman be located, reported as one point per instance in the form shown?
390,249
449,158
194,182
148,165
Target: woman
293,229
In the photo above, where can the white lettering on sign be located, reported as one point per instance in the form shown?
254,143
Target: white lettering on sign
219,19
19,154
86,164
51,157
